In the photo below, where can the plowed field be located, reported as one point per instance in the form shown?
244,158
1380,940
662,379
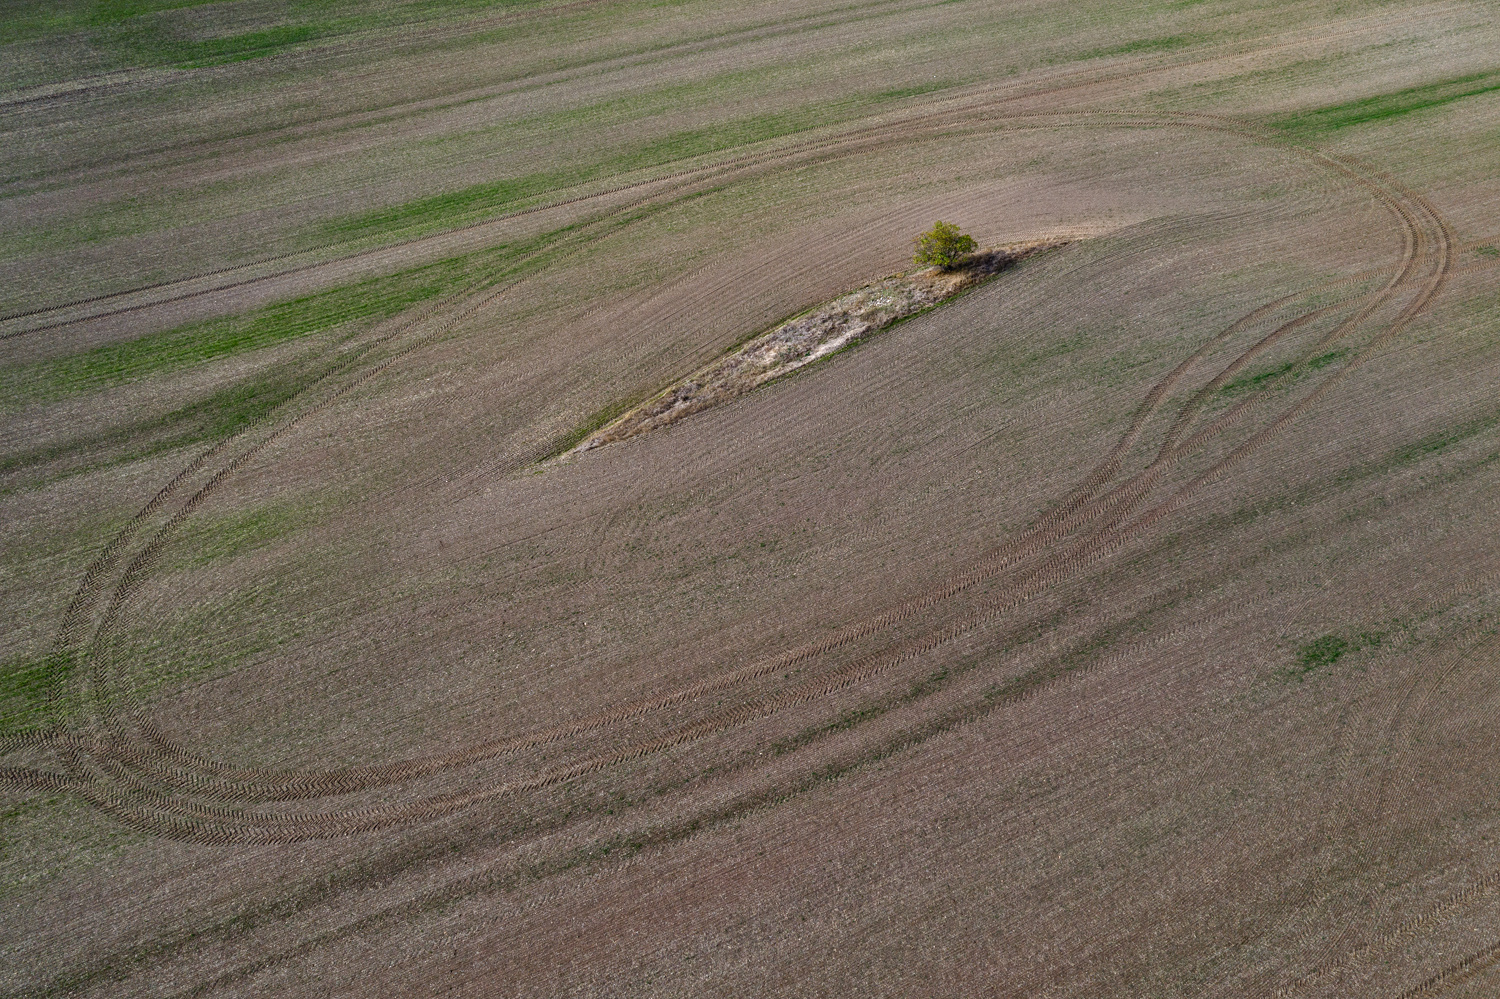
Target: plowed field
1128,625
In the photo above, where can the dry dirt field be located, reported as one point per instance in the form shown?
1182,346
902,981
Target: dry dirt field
1126,626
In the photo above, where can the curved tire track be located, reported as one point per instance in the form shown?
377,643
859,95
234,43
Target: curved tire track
147,781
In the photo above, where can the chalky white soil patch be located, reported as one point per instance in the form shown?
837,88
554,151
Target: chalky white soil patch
815,334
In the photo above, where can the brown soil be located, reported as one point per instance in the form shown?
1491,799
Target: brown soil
1125,626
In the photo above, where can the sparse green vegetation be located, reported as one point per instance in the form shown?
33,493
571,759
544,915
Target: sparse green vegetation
1246,383
1323,651
364,302
1329,649
595,421
478,201
28,690
1142,45
219,414
143,33
229,408
234,534
1437,442
916,90
1384,106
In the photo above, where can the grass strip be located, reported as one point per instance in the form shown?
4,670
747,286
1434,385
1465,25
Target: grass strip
477,201
366,301
1383,106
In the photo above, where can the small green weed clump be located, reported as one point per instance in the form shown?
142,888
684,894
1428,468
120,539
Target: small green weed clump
1327,650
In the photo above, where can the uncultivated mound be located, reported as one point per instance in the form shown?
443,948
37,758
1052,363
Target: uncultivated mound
813,335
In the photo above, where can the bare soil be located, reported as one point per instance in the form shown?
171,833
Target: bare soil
1123,626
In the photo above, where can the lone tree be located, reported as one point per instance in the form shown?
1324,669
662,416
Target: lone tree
943,245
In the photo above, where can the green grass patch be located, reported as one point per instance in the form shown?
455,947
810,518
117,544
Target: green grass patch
237,48
235,407
479,201
157,32
221,413
1384,106
29,689
1247,383
453,207
1433,444
21,20
1323,651
365,302
1327,650
230,408
210,540
135,41
1488,251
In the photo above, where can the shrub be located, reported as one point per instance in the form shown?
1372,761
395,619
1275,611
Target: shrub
943,245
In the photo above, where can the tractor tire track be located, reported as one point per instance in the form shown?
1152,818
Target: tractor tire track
1085,506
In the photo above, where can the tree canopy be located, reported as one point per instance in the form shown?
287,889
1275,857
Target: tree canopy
943,245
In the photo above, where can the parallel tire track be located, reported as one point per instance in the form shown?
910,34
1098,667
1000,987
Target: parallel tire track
144,779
